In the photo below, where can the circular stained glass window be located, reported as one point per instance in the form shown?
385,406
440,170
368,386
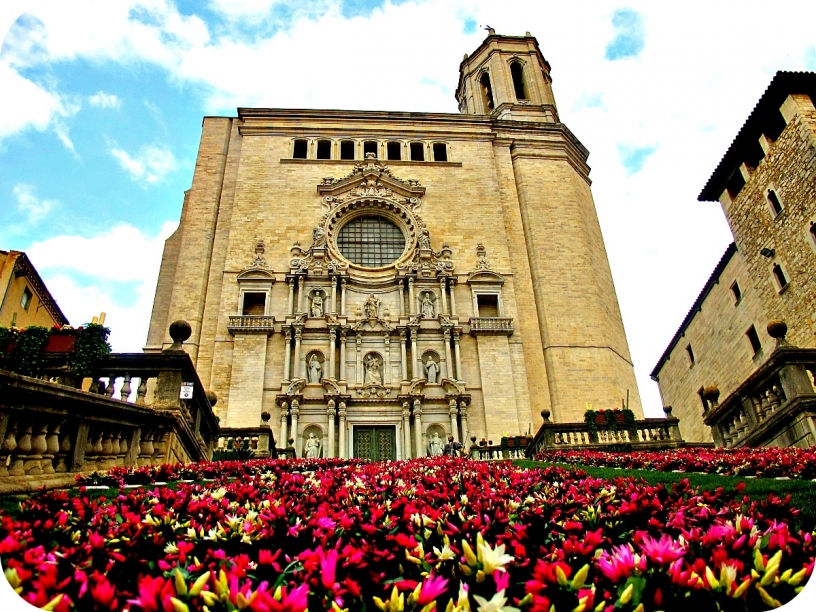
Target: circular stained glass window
371,241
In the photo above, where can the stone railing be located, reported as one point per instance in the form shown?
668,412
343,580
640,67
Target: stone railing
491,325
251,323
257,439
775,406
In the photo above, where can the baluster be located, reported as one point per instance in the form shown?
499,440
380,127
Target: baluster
125,394
160,445
115,449
773,398
65,446
123,446
146,448
756,402
51,448
111,387
20,464
141,391
765,405
7,448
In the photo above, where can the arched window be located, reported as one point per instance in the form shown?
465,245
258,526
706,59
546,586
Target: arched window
517,71
487,92
323,149
779,275
370,146
347,149
440,151
417,151
300,149
394,150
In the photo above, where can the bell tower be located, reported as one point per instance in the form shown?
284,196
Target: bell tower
507,77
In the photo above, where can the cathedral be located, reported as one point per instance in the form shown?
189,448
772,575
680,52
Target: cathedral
370,282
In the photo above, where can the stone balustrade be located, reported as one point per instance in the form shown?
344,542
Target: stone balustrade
251,323
491,325
257,439
775,406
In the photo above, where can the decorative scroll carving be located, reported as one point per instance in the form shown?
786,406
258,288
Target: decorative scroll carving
452,386
258,261
331,386
374,391
416,386
295,387
481,258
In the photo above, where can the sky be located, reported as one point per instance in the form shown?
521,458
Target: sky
101,109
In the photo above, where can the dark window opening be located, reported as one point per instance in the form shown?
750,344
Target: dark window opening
394,150
813,232
417,151
25,302
753,338
735,184
440,151
323,149
690,354
773,200
488,305
487,92
774,124
347,149
735,289
370,146
254,304
701,393
301,146
516,71
779,275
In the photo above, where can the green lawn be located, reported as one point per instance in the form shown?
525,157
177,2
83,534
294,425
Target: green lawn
802,492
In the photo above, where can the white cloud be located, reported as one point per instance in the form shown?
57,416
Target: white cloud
149,166
105,100
34,208
114,272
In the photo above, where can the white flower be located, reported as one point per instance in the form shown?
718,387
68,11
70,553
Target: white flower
446,554
496,604
492,559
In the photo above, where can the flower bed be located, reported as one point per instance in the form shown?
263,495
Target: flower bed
440,534
760,462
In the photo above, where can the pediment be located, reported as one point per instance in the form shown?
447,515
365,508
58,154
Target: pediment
256,274
371,180
485,277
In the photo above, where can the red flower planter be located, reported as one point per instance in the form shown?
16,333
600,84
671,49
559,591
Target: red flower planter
60,343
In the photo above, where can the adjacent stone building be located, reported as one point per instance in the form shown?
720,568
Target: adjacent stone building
766,184
24,298
375,280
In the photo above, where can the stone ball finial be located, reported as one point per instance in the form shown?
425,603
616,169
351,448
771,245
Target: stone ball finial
179,332
545,414
473,439
212,397
711,393
668,409
777,329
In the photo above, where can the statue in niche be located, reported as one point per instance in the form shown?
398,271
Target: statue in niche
435,446
424,240
426,306
372,307
431,370
312,448
315,370
317,305
373,375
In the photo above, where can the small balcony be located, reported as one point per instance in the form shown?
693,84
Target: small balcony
258,324
498,326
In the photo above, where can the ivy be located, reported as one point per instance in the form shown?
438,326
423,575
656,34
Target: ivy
27,356
91,347
592,426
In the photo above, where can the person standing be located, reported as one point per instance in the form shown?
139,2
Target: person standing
452,449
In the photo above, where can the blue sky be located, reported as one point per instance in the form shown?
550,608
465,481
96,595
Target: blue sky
102,105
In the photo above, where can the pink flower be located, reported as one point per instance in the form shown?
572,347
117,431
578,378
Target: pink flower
432,587
662,551
328,568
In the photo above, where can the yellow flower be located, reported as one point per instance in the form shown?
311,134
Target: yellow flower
492,558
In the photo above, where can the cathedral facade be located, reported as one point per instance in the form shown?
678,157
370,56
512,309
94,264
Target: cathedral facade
375,281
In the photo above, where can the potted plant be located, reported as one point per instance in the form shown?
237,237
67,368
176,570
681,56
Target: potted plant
62,339
522,440
505,441
591,420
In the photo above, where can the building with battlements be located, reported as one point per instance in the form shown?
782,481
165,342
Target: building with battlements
377,280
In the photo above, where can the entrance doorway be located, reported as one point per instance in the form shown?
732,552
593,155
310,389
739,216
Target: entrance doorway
375,443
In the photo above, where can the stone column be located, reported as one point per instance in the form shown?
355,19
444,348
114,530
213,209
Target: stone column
443,290
287,355
411,300
406,430
403,355
418,427
291,306
416,366
387,360
452,285
454,425
359,376
333,294
463,420
298,366
301,283
342,414
332,338
295,411
401,297
343,354
342,296
330,413
283,422
457,355
446,335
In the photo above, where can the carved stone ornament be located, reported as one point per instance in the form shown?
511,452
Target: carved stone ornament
373,391
331,386
258,261
481,258
295,387
371,308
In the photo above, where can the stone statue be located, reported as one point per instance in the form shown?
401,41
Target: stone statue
317,306
315,372
372,307
318,236
424,240
373,376
431,370
312,449
435,446
426,306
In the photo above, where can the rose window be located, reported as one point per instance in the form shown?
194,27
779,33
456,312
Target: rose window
371,241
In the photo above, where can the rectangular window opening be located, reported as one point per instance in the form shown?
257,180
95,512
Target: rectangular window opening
370,146
690,354
394,150
347,149
254,304
735,289
323,149
417,151
488,305
300,150
25,301
753,338
440,151
773,200
735,184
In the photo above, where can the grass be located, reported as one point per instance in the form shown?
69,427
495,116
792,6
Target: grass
802,492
